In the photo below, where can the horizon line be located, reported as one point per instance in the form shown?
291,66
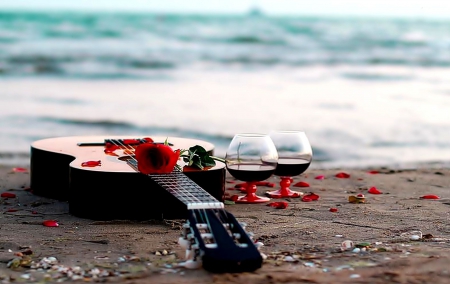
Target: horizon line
220,13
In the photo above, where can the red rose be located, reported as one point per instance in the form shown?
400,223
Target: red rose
156,158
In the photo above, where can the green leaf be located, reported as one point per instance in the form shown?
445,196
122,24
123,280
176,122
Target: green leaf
198,149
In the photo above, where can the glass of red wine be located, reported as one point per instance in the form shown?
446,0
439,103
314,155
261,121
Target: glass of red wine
294,157
251,158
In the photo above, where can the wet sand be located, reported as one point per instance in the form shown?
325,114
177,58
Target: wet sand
302,242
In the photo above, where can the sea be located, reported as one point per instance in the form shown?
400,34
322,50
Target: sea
367,92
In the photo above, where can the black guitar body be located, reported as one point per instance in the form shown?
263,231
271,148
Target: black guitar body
107,194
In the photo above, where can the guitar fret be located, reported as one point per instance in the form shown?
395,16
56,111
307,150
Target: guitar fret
184,189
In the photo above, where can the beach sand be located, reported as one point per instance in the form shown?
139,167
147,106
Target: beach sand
302,242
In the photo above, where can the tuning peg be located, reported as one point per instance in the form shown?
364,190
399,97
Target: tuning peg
189,254
191,264
259,245
202,226
236,236
183,242
208,236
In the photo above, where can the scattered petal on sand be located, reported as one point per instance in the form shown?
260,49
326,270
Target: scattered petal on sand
301,184
12,210
310,197
320,177
278,205
430,196
342,175
233,198
373,172
20,170
91,164
8,195
50,223
333,210
374,190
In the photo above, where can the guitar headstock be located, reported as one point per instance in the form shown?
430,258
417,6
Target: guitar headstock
215,239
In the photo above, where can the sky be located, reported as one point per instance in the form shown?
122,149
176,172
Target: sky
400,8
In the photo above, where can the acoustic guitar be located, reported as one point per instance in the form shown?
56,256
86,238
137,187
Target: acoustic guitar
101,185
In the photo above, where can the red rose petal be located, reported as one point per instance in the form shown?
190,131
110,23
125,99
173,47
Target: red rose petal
19,170
130,141
8,195
33,212
310,197
278,205
430,196
373,172
91,164
333,210
50,223
234,198
12,210
320,177
148,140
342,175
110,148
374,190
301,184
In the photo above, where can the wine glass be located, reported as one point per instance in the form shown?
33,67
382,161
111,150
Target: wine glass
294,157
251,158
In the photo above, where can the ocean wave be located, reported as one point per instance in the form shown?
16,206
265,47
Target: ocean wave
86,44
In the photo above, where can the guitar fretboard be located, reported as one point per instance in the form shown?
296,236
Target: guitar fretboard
184,189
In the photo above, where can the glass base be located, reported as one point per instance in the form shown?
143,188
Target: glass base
284,193
251,196
252,199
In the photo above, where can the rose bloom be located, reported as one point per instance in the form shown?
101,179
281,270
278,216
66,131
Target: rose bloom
156,158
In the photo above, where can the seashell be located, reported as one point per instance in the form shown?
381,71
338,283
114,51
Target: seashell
259,245
191,264
356,250
414,238
289,258
347,244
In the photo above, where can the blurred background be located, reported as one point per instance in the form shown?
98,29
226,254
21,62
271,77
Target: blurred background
367,82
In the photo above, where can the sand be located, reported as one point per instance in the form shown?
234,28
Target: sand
302,242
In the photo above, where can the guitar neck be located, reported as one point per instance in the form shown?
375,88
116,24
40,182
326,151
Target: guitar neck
184,189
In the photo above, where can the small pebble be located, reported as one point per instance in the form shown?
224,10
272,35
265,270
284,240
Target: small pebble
353,276
345,245
289,259
356,250
414,238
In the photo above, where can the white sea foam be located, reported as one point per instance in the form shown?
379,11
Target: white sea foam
349,122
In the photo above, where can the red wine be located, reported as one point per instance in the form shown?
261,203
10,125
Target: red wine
291,167
251,172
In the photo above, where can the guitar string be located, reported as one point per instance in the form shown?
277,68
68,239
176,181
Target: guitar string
130,155
202,212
